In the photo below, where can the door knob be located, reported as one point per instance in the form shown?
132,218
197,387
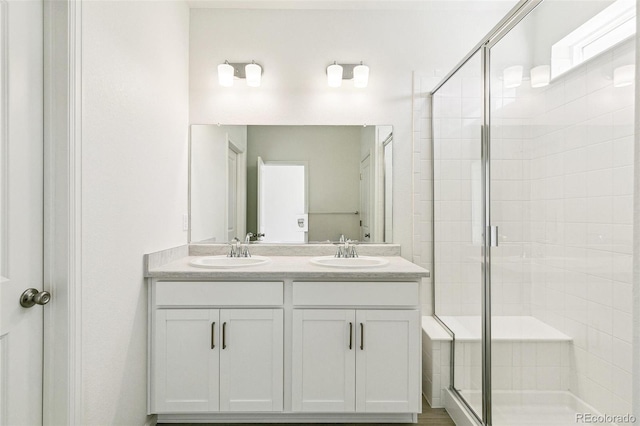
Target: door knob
367,235
31,297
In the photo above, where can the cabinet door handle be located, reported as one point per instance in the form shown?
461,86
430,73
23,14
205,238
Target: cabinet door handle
350,335
224,335
213,335
361,336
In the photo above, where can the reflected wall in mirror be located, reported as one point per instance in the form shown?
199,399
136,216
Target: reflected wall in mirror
290,184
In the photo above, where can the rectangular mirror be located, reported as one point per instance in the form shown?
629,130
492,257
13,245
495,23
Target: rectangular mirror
290,184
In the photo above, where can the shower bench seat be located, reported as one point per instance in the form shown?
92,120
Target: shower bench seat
518,342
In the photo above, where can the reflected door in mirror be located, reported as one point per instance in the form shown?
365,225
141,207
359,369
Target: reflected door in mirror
365,195
232,193
282,201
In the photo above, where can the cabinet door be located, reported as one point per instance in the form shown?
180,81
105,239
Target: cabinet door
323,362
251,360
186,360
388,361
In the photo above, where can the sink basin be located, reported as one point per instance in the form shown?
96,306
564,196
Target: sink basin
349,262
222,262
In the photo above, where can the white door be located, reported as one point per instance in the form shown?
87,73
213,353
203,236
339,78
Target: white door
388,190
365,199
21,204
282,201
260,180
232,196
187,360
251,360
323,364
388,361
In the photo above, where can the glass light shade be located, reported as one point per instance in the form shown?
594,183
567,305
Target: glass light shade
254,74
540,76
512,76
624,76
361,76
334,75
225,75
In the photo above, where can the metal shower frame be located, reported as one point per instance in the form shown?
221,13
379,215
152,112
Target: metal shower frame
511,20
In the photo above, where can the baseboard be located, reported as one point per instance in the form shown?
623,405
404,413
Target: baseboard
288,418
152,420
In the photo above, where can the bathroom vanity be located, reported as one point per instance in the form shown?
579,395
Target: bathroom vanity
284,341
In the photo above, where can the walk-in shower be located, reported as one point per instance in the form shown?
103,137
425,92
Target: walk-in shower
533,145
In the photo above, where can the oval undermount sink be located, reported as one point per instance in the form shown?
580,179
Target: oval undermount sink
349,262
223,261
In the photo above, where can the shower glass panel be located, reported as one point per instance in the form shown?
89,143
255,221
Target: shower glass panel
458,207
561,152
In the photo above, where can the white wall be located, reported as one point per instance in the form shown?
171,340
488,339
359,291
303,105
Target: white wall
295,47
134,188
209,158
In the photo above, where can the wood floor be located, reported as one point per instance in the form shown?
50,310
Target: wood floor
430,416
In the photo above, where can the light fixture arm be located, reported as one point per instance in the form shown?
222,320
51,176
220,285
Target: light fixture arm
347,70
238,68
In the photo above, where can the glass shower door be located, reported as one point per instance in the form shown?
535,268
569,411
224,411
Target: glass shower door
561,152
458,218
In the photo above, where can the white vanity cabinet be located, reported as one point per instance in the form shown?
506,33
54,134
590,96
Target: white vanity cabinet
208,360
285,342
251,360
324,360
356,360
186,355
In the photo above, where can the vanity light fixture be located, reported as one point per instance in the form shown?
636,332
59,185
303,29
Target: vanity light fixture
225,74
359,73
624,76
512,76
253,72
334,75
540,76
250,71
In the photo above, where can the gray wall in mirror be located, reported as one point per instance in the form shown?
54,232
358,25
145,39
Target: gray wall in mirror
346,171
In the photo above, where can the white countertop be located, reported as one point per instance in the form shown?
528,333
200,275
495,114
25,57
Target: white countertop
281,267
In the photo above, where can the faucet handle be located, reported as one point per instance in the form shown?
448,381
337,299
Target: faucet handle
234,247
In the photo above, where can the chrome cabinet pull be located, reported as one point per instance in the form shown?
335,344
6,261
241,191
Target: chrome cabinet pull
361,336
350,335
224,335
213,335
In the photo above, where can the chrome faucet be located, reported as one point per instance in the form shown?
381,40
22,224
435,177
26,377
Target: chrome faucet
346,248
237,249
245,246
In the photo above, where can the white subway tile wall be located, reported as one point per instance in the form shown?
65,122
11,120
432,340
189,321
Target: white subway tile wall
436,367
581,156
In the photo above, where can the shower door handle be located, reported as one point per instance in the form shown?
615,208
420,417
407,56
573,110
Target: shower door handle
493,236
